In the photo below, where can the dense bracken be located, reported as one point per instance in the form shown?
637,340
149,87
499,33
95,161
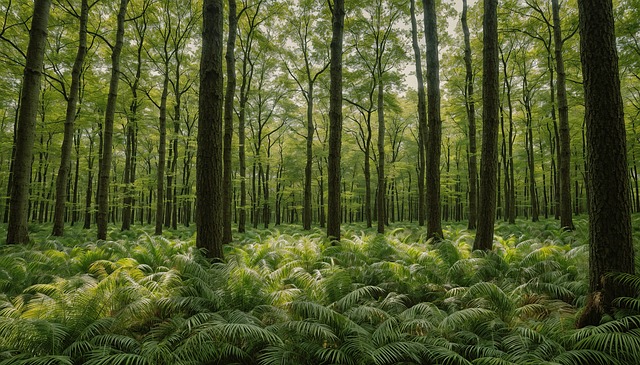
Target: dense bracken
282,297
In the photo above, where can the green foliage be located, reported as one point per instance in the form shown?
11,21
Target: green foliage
286,298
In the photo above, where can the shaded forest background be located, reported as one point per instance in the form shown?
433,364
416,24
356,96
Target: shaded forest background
281,54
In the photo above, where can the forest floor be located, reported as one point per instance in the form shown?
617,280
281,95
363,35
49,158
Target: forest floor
285,296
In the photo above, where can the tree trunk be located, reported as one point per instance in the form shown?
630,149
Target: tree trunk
67,141
422,117
471,119
335,124
17,230
610,240
434,224
107,141
209,210
566,220
306,211
162,148
489,158
228,120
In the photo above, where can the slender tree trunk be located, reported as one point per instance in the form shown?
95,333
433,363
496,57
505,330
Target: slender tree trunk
335,118
228,119
17,230
307,209
422,117
566,220
107,140
471,120
434,224
76,178
162,148
381,199
209,184
89,191
67,141
489,158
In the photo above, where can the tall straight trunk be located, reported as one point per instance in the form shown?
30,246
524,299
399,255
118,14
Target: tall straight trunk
381,199
512,180
422,117
489,158
610,239
162,150
335,121
434,223
209,210
471,120
76,179
107,139
132,134
17,230
306,210
526,101
367,176
67,141
89,191
228,120
7,202
566,220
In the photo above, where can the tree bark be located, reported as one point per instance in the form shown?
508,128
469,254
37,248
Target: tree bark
67,141
17,230
489,158
422,116
566,219
107,139
209,210
434,143
228,119
380,197
335,122
471,120
610,239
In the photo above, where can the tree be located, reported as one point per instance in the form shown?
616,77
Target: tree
471,120
69,129
17,231
610,239
566,219
209,210
490,109
315,62
335,117
107,134
228,118
434,224
422,115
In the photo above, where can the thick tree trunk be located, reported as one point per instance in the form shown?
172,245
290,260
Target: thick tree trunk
434,224
610,239
335,124
17,231
471,120
489,158
422,117
67,141
209,210
107,139
566,220
228,120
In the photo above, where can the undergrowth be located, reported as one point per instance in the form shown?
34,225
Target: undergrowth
284,296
